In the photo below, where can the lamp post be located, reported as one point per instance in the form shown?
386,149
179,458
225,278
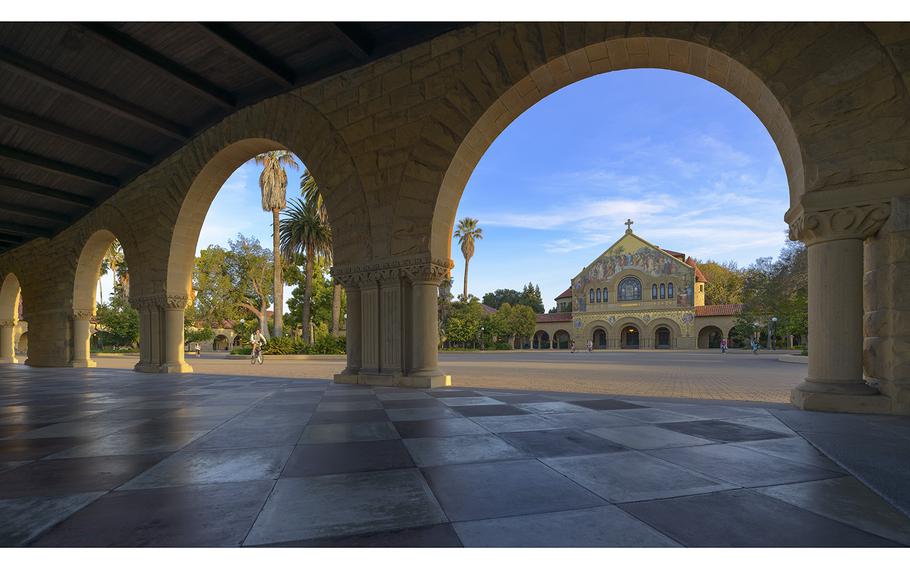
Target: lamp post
481,338
771,324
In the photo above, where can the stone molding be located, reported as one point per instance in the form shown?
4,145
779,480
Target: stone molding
162,301
852,222
7,323
414,269
82,314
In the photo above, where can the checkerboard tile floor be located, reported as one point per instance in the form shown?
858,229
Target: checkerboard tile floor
93,457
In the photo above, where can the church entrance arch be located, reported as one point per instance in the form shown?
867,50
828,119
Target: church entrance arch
600,338
662,338
709,337
630,337
221,343
561,339
10,297
541,340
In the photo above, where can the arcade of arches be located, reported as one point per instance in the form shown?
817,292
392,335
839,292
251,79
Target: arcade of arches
394,141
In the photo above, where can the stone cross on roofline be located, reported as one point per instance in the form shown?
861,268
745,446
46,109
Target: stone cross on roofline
628,225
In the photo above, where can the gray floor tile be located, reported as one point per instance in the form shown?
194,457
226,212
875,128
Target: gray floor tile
401,395
326,459
213,466
438,428
302,508
130,444
633,476
560,442
742,466
721,431
514,423
348,432
80,429
430,536
551,407
744,518
647,437
792,449
597,526
404,414
846,500
230,436
23,519
504,489
344,406
586,420
200,515
652,415
74,475
460,449
467,400
718,412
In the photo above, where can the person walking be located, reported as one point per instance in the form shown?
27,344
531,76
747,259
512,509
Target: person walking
590,346
754,347
572,346
723,345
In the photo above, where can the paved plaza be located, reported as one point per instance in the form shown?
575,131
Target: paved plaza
687,374
105,457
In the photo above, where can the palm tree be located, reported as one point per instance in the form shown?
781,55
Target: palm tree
115,263
304,232
309,189
273,182
467,232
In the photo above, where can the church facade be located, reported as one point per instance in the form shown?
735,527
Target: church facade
636,296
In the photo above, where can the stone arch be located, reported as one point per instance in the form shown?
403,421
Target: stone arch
709,337
561,338
469,119
221,343
22,344
541,339
620,326
672,326
10,297
88,269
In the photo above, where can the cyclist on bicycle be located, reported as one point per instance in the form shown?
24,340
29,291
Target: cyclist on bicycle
257,340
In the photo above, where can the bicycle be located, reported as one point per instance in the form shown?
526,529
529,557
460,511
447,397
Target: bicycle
256,355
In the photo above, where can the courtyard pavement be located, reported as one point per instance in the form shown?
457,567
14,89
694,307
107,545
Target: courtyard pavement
703,374
103,457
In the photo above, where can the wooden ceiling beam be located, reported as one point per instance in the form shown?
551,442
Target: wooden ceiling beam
350,37
34,213
91,95
48,192
24,230
249,52
125,43
62,131
56,167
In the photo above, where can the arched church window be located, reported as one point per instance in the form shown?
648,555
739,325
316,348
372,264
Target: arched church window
606,294
663,291
598,295
670,290
653,291
591,296
629,289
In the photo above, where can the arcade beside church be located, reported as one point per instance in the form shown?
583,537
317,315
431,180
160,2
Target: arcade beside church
636,296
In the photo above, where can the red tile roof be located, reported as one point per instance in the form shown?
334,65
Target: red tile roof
718,310
566,294
699,276
558,316
489,310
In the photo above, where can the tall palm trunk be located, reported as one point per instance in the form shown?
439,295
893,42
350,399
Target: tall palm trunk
466,262
336,310
279,285
307,292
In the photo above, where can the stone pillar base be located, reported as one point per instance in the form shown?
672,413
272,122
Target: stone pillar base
180,367
88,364
9,360
813,396
408,381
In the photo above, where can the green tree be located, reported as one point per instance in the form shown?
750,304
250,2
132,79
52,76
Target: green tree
118,322
321,296
309,189
273,183
502,296
215,300
514,321
467,233
725,282
114,262
305,234
248,265
464,322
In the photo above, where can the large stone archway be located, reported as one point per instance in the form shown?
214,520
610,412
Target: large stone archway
9,316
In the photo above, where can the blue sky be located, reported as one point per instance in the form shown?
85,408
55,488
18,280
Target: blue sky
687,161
690,164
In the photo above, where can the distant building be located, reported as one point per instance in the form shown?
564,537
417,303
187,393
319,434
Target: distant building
636,296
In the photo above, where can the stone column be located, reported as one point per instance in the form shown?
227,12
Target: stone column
835,248
150,334
423,366
173,336
352,328
7,348
369,327
82,335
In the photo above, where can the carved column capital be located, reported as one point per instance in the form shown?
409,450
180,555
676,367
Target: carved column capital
852,222
176,302
427,273
8,323
82,314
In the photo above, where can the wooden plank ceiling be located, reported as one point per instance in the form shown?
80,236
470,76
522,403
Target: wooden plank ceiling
87,107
